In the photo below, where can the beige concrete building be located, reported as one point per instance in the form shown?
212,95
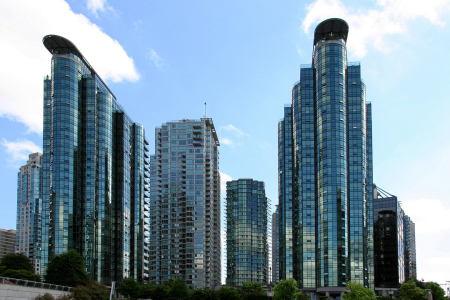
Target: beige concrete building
7,241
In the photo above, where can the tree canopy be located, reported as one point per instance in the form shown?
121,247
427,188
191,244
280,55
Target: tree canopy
358,292
436,290
130,288
409,291
17,266
67,269
228,293
285,290
178,289
252,290
16,261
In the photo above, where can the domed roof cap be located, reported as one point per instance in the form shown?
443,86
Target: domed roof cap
331,29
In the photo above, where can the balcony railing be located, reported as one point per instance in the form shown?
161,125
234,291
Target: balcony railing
42,285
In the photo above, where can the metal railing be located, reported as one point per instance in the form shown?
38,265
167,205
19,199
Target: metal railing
29,283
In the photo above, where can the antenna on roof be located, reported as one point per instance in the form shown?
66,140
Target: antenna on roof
205,110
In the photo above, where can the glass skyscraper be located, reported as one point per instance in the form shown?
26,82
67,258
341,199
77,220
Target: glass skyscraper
410,248
185,204
275,247
285,184
247,247
29,210
95,171
324,196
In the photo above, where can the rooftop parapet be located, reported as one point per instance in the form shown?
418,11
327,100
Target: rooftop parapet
331,29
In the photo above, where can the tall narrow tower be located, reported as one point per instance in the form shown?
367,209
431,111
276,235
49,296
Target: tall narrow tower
331,167
247,247
185,204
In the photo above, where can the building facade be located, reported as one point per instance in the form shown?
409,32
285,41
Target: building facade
394,237
185,204
29,210
331,166
247,247
389,238
285,196
7,241
410,248
275,247
95,172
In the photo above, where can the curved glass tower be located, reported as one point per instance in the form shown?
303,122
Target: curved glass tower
332,169
95,171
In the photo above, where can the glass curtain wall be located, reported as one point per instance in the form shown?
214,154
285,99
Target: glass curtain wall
285,221
93,187
29,210
332,169
247,247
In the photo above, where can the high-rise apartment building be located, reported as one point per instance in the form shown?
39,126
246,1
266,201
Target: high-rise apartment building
247,247
95,171
29,210
185,204
275,247
410,248
326,234
285,196
7,241
389,240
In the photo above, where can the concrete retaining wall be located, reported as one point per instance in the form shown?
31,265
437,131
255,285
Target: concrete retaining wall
17,292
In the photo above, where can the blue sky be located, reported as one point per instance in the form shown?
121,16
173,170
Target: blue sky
164,59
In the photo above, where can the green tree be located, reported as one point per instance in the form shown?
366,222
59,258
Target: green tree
178,289
302,295
252,290
436,290
67,269
358,292
17,266
147,290
228,293
130,288
203,294
46,296
16,261
384,298
285,290
159,293
409,291
21,274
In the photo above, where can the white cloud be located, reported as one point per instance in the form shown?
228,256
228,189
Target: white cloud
20,149
96,5
432,237
25,61
155,58
227,142
233,129
223,183
372,26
